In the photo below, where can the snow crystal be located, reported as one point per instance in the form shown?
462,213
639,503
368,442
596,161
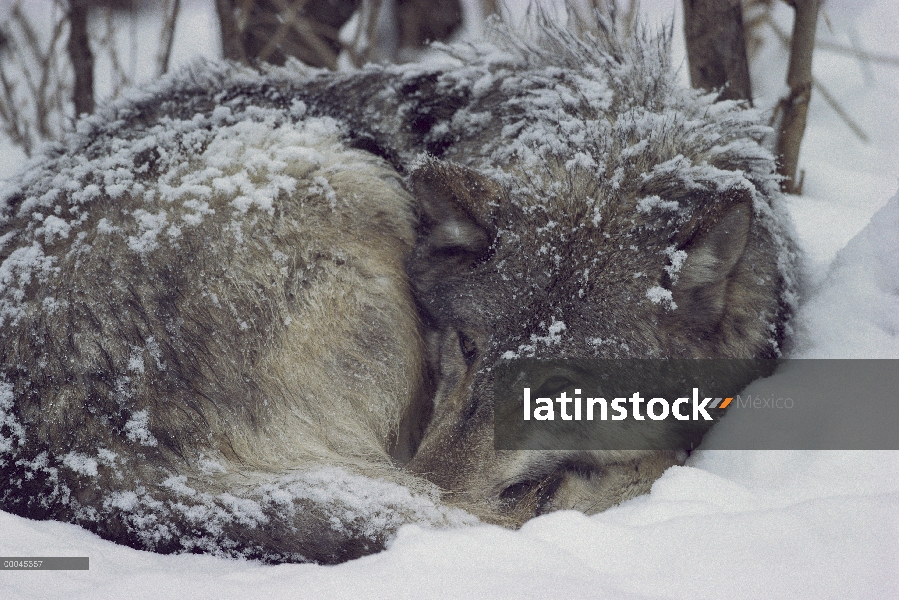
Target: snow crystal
553,337
136,360
645,205
53,227
471,121
105,226
150,226
179,485
371,505
580,160
15,273
137,429
677,257
51,305
323,187
80,463
660,295
126,501
107,457
553,333
246,511
200,208
155,352
16,436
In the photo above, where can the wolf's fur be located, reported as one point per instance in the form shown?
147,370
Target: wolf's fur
156,365
207,336
627,218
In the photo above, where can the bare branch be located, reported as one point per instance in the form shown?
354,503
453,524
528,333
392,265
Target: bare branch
32,105
887,59
108,42
170,16
14,126
48,102
490,7
630,14
272,30
312,33
32,45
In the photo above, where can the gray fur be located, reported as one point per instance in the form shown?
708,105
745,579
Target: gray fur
630,219
208,334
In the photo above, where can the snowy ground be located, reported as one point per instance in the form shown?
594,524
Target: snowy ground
729,524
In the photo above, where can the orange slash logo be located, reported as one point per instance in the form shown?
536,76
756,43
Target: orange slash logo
719,404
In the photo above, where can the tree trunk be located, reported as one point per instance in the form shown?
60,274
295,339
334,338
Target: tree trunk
423,21
82,59
716,47
794,108
272,30
232,45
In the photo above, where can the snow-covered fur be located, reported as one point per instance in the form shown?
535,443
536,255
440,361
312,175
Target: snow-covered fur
208,337
592,208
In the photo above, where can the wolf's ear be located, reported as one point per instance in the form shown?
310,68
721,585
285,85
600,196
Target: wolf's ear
706,280
456,208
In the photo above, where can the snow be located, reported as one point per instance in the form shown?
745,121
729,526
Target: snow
859,298
138,427
553,336
728,524
660,295
80,463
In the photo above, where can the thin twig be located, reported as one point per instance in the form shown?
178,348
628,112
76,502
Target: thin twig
825,93
286,17
886,59
30,43
307,30
835,105
43,98
11,117
490,7
876,57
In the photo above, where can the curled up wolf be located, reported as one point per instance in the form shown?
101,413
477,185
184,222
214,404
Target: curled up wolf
253,313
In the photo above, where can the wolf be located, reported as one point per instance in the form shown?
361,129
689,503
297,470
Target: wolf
253,311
